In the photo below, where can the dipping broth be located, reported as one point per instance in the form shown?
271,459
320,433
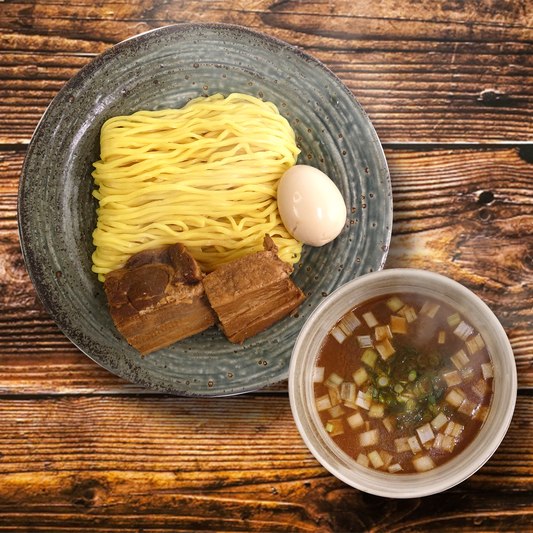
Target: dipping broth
403,383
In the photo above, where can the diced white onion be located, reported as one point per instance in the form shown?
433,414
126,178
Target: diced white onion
408,312
463,330
454,429
334,381
363,460
455,397
394,303
402,444
454,319
369,438
429,309
382,332
448,443
350,405
444,442
396,467
388,422
348,391
385,349
414,444
364,341
460,359
398,324
350,322
468,407
442,337
439,420
363,400
370,319
487,369
375,459
377,410
355,421
386,458
452,378
482,413
338,334
475,344
334,396
360,376
423,463
425,433
323,403
468,374
336,412
318,374
369,357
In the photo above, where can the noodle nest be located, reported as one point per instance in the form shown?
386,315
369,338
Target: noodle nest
205,175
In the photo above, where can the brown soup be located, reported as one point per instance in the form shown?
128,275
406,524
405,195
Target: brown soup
403,383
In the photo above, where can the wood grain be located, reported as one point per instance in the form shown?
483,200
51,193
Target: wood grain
443,72
464,213
234,464
83,450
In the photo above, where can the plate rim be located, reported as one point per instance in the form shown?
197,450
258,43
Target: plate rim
93,66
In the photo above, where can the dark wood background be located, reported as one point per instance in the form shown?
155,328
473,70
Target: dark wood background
448,85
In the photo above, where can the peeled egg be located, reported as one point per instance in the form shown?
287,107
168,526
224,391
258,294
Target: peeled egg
311,206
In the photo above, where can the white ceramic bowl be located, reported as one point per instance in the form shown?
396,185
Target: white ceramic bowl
301,389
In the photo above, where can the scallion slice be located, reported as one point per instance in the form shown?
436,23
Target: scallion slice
383,381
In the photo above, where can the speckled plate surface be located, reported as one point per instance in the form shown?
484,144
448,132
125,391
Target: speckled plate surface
164,68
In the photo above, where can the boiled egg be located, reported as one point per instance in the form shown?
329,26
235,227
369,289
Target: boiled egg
310,205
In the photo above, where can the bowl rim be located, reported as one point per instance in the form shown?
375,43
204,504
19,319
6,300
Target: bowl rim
405,485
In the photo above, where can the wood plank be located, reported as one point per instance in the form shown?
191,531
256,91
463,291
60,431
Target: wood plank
471,218
465,213
440,75
239,464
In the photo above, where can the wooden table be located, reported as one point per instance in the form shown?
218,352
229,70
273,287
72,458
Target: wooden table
449,88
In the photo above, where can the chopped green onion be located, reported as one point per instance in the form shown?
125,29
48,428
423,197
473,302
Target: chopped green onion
410,405
424,385
383,381
412,375
398,388
434,359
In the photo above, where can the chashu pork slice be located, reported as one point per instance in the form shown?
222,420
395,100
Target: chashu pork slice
157,298
253,292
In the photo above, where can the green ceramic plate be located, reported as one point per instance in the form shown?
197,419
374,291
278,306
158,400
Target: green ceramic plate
164,68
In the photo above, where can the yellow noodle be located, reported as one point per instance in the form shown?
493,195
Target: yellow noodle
205,175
